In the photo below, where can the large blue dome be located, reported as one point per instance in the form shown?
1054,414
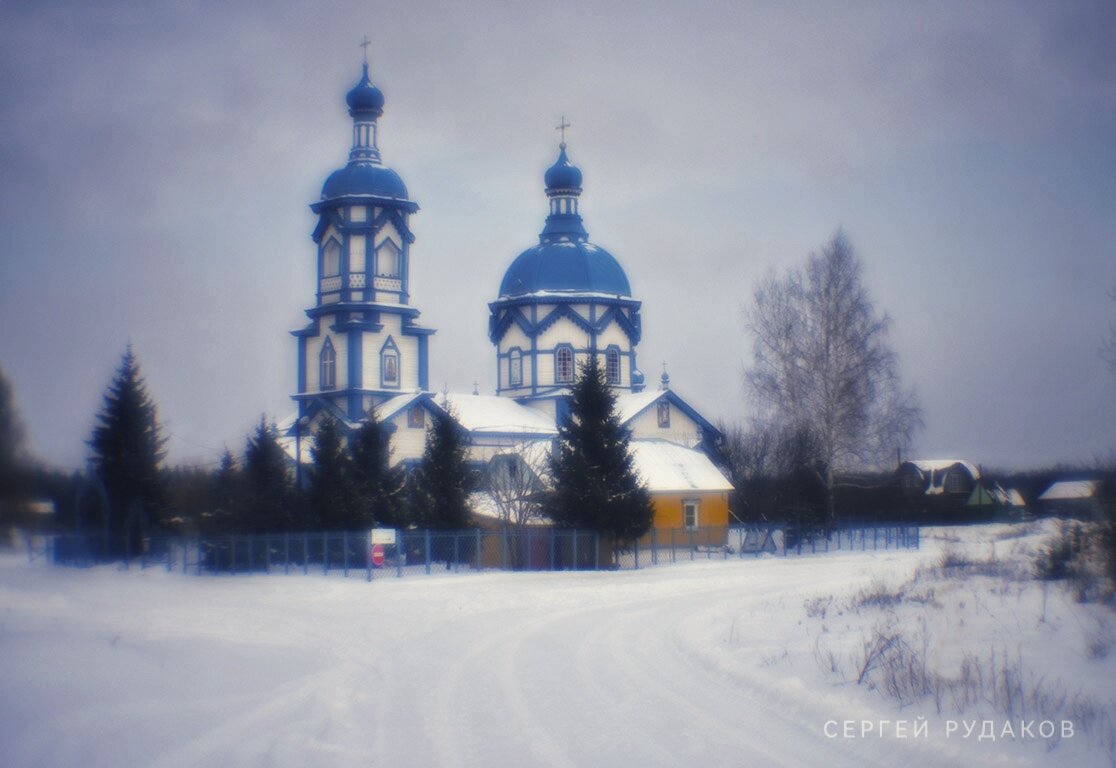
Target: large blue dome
569,267
364,179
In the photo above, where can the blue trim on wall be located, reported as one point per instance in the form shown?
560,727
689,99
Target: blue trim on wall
301,340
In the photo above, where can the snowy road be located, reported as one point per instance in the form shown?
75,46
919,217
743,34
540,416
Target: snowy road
663,667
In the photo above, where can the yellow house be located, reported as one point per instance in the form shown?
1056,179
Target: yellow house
688,491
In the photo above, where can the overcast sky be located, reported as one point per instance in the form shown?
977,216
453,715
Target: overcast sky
157,161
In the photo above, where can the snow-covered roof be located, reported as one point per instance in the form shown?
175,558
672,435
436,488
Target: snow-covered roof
389,408
631,404
490,414
667,466
483,505
927,466
1070,489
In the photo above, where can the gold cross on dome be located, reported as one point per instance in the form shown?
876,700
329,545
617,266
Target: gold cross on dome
365,45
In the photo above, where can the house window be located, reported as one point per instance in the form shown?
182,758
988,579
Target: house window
955,482
327,366
612,365
664,414
387,260
690,514
416,417
515,367
564,365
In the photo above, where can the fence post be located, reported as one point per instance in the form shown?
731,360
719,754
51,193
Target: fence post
576,562
345,553
399,554
530,551
427,541
287,552
368,558
596,551
654,546
480,544
553,549
637,554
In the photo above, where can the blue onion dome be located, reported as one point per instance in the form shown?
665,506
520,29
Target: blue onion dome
357,179
563,175
565,267
365,98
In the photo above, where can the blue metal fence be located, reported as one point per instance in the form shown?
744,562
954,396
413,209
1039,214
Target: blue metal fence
534,548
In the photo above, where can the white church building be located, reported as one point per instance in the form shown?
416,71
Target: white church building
364,349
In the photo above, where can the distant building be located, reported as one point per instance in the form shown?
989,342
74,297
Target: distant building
1083,499
560,301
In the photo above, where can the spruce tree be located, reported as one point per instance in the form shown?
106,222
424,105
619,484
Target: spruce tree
595,484
269,503
442,483
13,458
227,499
330,495
127,450
378,487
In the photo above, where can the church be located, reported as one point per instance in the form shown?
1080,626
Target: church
365,351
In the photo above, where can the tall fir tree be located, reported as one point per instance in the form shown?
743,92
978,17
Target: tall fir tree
595,484
442,483
269,500
330,497
377,485
126,451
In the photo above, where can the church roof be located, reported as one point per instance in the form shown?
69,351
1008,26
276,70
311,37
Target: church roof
491,414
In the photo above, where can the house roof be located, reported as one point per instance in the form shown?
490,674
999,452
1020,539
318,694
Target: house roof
926,466
667,466
629,405
1070,489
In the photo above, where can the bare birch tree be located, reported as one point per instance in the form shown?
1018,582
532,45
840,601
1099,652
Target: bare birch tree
516,480
822,364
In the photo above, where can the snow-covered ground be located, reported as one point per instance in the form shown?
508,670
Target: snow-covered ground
740,662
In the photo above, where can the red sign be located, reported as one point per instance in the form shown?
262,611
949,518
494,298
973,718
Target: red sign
377,555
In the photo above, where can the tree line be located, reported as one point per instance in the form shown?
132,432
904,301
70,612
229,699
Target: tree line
350,482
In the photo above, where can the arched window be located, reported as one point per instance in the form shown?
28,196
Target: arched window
664,414
612,365
515,367
564,365
387,259
327,366
331,259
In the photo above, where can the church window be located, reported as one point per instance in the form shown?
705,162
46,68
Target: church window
387,259
515,367
358,213
356,253
331,259
690,509
416,417
664,414
564,365
327,366
612,365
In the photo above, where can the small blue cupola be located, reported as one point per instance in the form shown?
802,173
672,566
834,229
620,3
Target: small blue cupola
365,98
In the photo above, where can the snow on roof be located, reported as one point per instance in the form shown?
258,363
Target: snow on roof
389,408
631,404
497,415
937,465
483,505
667,466
1070,489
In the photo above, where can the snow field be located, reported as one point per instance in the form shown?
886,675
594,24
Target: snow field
704,663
